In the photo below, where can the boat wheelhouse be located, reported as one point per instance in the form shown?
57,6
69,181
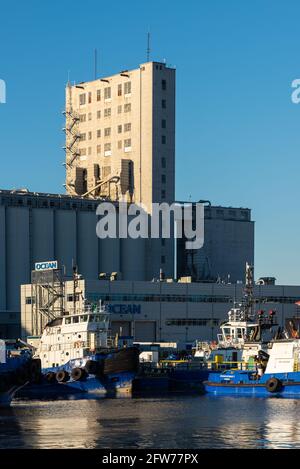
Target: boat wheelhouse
74,336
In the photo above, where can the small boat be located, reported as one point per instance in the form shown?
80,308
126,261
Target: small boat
17,368
76,357
276,373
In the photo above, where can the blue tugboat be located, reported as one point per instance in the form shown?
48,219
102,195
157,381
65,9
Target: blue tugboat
17,368
76,358
276,373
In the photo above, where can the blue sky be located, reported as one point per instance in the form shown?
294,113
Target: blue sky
238,133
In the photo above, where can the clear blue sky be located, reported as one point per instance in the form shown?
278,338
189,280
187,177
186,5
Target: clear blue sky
238,133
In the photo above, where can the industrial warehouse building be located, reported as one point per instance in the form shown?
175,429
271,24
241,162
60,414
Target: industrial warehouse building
39,227
167,311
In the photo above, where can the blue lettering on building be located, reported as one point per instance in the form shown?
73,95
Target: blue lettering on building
49,265
124,309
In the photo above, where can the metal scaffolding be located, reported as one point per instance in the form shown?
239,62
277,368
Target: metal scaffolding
48,298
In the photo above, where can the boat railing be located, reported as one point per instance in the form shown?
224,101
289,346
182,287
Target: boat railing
231,365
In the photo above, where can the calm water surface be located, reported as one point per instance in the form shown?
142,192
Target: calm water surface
175,422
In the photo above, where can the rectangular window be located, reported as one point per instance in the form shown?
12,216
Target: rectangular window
107,149
163,178
89,116
107,132
82,151
119,90
90,135
127,127
163,194
107,112
163,139
82,99
107,93
98,149
82,118
127,144
127,107
90,97
120,144
82,137
127,87
119,129
98,95
98,133
163,259
163,84
98,114
119,109
163,162
163,103
163,123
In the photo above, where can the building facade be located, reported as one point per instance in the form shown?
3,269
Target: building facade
120,136
167,312
228,246
42,227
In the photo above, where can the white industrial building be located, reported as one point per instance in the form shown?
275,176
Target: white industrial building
167,311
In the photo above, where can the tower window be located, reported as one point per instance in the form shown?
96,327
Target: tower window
127,87
82,99
163,103
163,84
164,123
107,92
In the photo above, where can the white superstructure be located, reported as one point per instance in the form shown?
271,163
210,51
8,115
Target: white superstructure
74,336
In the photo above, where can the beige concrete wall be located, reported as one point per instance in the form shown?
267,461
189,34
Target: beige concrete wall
145,117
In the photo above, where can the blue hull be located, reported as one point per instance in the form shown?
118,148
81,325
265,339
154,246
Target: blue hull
113,385
242,383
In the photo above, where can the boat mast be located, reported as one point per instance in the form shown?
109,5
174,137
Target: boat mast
248,291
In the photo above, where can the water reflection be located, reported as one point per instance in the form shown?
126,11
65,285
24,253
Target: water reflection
181,422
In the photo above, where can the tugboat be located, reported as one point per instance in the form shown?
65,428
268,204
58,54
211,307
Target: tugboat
76,357
17,368
277,373
243,335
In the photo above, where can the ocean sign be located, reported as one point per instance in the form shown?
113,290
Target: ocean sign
47,265
124,309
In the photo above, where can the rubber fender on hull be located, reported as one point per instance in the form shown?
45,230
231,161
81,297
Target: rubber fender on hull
273,385
62,376
78,374
50,376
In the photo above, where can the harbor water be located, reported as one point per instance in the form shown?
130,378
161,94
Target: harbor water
168,422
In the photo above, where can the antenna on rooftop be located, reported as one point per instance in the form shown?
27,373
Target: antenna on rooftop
95,63
148,46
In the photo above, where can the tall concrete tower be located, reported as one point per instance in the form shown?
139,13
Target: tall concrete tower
120,136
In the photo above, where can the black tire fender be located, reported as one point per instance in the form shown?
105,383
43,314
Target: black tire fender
273,385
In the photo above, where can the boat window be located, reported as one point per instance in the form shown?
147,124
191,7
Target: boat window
226,331
75,319
239,333
92,318
68,320
83,318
